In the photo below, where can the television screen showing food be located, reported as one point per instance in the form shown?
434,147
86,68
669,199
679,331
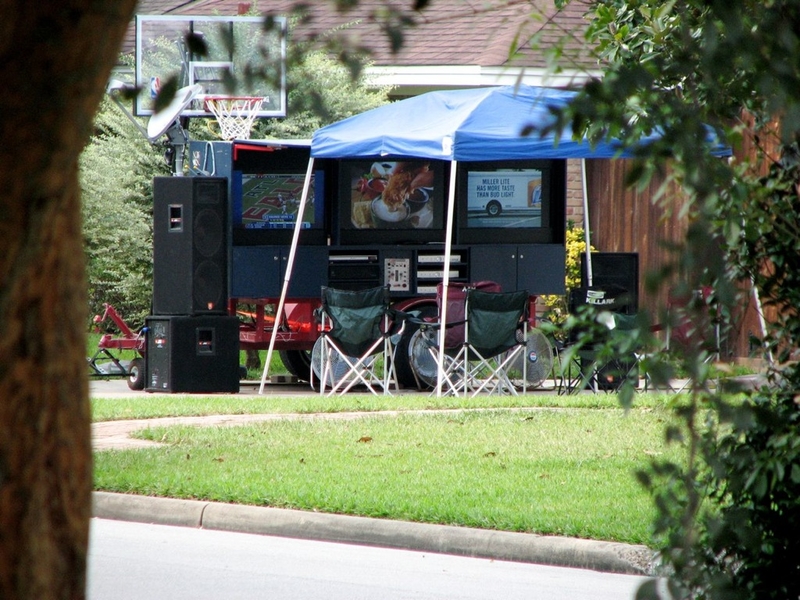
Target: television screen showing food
394,194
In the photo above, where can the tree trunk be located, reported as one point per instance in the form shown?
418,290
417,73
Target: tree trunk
55,59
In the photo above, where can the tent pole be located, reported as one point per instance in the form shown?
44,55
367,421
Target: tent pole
586,234
762,320
288,275
448,244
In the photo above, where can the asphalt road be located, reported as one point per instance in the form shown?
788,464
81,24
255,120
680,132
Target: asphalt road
136,561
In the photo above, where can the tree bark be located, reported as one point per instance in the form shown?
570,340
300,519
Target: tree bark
55,60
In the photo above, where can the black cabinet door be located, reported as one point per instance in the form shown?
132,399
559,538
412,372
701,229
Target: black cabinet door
309,273
256,272
259,271
495,263
541,269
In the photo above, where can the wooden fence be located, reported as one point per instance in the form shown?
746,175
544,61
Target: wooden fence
624,219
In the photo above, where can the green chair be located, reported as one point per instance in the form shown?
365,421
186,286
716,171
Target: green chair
490,337
354,346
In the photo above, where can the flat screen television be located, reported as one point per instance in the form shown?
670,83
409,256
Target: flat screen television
389,201
511,202
265,207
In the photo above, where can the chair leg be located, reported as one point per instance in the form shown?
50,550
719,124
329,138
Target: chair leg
571,382
357,370
498,377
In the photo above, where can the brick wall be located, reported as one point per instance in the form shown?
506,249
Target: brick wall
574,192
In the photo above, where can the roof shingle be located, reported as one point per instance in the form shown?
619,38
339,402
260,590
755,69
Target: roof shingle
448,32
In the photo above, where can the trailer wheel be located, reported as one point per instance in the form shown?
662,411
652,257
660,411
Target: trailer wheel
297,362
136,374
405,373
494,208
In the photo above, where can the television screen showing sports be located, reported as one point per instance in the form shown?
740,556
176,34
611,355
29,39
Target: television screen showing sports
271,201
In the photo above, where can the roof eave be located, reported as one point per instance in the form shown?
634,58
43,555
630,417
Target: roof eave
414,80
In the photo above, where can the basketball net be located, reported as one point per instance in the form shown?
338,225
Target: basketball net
235,115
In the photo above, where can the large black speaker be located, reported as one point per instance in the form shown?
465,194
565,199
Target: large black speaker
192,354
615,269
190,245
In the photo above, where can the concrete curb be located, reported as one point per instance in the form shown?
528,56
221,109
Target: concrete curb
608,557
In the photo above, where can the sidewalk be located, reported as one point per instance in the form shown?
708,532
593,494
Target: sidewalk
497,545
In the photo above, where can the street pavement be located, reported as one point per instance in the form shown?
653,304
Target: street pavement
608,557
140,561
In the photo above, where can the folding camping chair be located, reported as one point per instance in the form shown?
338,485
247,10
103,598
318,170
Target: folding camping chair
354,346
423,348
582,365
485,344
495,332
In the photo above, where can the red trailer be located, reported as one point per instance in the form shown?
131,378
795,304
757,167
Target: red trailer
106,361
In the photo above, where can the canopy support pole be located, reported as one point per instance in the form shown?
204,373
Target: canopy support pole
288,275
762,320
448,244
586,233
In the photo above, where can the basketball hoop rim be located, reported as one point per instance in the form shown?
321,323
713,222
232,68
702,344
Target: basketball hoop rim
218,98
234,114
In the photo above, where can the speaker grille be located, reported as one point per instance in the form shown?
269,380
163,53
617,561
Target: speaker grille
208,232
208,192
209,285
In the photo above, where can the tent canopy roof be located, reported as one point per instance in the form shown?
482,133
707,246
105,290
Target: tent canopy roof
464,125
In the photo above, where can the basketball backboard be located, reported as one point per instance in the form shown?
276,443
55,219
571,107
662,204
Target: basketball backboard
235,48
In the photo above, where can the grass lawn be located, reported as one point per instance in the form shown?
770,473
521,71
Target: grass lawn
565,468
148,407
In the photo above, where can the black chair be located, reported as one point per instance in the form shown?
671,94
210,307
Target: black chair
423,347
583,362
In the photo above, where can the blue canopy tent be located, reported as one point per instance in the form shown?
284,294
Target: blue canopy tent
460,125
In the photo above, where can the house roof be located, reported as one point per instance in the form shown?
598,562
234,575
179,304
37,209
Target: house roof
453,42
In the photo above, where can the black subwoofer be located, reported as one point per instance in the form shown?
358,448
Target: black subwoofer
192,354
190,245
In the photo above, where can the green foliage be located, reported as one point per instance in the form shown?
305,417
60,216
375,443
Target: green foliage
320,91
556,311
728,516
117,170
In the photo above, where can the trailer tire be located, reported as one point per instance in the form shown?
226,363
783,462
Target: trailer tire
494,208
402,365
297,362
136,374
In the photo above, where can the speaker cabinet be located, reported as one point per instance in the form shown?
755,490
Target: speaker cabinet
615,269
192,354
190,245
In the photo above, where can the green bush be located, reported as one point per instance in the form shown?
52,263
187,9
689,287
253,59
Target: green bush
556,306
117,170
